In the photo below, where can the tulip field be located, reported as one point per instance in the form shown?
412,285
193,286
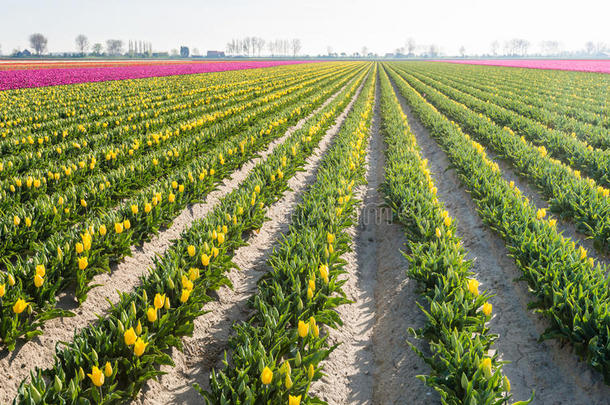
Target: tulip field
291,232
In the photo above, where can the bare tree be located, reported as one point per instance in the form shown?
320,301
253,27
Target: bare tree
410,45
462,51
590,47
296,47
38,43
97,48
600,48
329,50
549,48
365,51
495,47
433,51
114,47
82,44
271,47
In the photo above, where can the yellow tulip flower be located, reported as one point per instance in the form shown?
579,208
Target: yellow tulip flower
20,306
266,376
303,329
108,369
151,314
294,400
38,281
129,336
96,376
139,347
159,301
83,262
486,309
473,286
191,250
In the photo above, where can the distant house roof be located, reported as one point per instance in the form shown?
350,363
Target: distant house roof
216,54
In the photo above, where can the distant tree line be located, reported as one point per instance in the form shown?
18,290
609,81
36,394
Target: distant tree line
254,46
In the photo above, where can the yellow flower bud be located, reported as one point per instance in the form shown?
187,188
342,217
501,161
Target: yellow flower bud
486,309
108,369
20,306
38,281
303,329
294,400
310,372
103,230
118,227
159,300
205,259
185,295
83,262
486,367
191,250
266,376
473,287
151,314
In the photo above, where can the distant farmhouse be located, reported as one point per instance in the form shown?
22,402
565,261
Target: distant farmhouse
216,54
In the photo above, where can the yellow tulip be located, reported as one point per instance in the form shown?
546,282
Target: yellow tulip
83,203
191,250
118,227
167,305
303,329
139,347
438,233
473,286
487,309
486,367
221,238
541,213
40,270
309,293
139,328
2,290
330,237
159,300
103,230
583,253
193,273
20,306
552,222
205,259
185,295
288,382
134,209
324,272
108,369
181,188
147,208
79,247
16,220
151,314
11,280
310,372
97,377
447,221
83,262
294,400
171,197
28,222
129,336
312,284
506,384
127,224
266,376
38,281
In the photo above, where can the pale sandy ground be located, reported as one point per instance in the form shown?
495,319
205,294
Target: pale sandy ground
15,366
204,350
548,368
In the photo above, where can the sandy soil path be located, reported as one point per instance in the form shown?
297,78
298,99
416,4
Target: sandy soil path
553,371
373,364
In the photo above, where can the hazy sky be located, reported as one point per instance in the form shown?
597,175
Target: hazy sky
381,25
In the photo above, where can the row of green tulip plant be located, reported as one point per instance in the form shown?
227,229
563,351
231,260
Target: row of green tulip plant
594,162
33,222
462,369
73,258
592,131
110,361
276,355
121,147
569,194
132,102
570,289
575,94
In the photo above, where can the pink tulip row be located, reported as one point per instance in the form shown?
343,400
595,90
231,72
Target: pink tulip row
17,79
597,66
